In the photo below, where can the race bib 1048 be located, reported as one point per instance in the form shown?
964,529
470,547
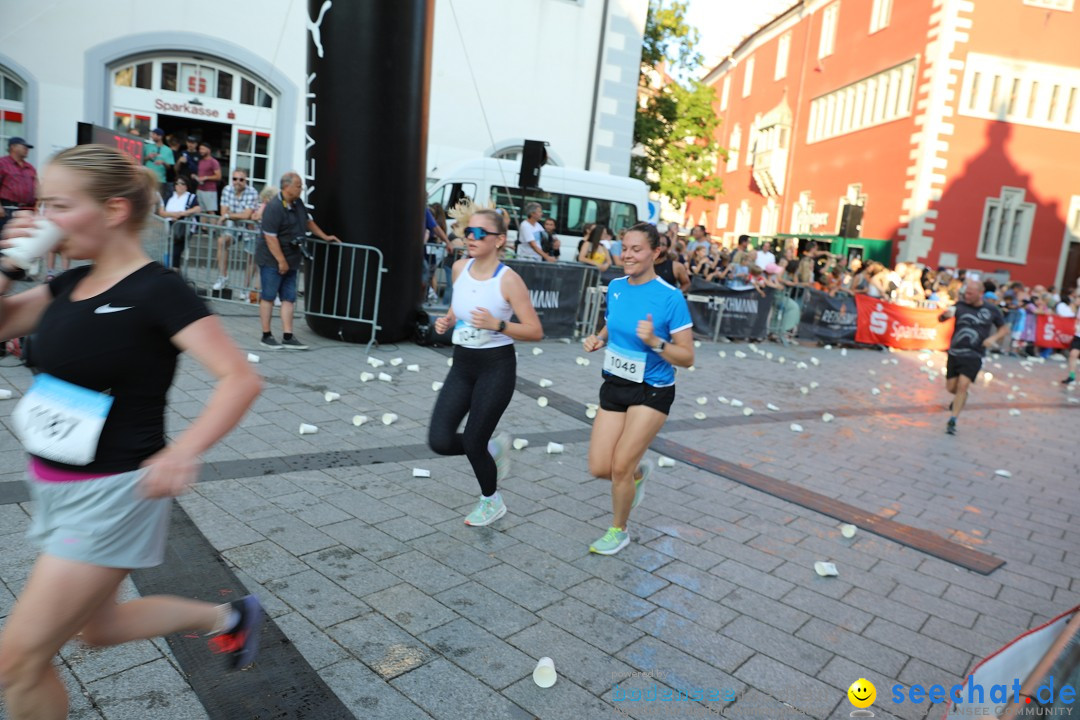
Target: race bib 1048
60,421
627,364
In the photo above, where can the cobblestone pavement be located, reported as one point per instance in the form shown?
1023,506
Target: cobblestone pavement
407,613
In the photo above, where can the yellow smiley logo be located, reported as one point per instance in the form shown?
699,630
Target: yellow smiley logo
862,693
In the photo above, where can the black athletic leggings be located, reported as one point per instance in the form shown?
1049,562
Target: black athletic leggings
481,383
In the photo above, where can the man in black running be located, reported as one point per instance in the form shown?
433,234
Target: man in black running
978,325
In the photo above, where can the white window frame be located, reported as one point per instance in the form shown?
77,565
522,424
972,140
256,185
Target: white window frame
734,141
725,92
1008,210
744,215
880,15
882,98
722,212
1045,95
829,19
770,218
748,77
13,120
783,53
1064,5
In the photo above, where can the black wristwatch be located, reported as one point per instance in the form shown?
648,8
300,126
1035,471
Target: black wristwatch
502,325
659,349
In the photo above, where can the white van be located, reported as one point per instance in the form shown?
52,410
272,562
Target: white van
572,197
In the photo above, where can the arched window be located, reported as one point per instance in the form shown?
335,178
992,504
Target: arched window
12,107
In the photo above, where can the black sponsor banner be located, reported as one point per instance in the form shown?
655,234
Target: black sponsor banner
745,313
828,319
556,292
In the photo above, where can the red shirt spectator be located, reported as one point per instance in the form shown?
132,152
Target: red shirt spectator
18,179
208,169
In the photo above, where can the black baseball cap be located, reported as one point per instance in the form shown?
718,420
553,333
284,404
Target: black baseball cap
18,141
158,131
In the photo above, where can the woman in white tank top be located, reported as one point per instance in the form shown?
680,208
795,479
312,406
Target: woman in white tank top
484,372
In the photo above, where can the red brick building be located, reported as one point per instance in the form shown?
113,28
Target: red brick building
953,124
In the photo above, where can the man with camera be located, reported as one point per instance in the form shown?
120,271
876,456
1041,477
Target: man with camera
278,255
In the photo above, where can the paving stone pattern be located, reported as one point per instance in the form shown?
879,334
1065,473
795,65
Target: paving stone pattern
408,613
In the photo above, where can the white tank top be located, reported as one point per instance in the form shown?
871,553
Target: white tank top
469,294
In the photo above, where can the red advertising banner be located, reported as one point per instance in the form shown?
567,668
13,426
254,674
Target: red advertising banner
1054,331
904,328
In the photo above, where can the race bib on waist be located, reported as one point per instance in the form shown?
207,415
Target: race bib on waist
627,364
60,421
469,336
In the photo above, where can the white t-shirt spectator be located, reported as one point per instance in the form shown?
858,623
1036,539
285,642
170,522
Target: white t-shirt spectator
527,232
179,203
1065,309
764,259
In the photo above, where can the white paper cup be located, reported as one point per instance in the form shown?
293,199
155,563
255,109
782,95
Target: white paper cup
389,418
665,462
306,429
5,394
421,473
542,401
544,673
253,358
520,443
590,413
538,351
436,386
375,362
396,361
331,396
545,383
28,248
359,420
385,377
413,368
365,376
554,448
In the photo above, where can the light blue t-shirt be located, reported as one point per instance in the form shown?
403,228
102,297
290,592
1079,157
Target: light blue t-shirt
627,304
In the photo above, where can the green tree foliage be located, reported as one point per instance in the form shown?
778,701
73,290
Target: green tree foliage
674,128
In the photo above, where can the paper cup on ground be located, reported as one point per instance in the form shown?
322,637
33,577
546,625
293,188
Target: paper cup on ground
253,358
825,569
590,413
436,386
702,400
331,396
554,448
700,416
389,418
666,462
359,420
306,429
796,428
375,362
25,250
542,401
826,417
365,376
5,394
449,362
520,443
396,361
736,403
848,530
413,368
421,473
544,673
385,377
545,383
538,351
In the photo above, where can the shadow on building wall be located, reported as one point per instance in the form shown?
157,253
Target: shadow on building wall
959,222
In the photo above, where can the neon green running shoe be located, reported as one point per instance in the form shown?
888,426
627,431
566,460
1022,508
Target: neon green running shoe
613,541
487,511
645,467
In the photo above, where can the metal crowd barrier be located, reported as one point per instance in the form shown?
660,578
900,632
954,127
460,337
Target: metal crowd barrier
345,282
199,262
590,302
715,304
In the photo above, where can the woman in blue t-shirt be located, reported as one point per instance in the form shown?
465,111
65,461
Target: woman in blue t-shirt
648,331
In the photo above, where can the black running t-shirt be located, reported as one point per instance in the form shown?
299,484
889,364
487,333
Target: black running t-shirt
119,343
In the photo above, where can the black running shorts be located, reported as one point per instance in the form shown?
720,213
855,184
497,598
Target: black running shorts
967,366
617,394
